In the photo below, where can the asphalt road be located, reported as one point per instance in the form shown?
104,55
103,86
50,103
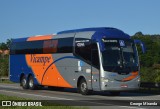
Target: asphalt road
100,100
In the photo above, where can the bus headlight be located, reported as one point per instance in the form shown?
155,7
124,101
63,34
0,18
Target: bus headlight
139,79
103,79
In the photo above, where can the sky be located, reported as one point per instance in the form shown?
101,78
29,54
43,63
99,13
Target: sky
25,18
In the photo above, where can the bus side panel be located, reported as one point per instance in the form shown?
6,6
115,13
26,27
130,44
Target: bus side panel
18,66
45,70
67,66
65,69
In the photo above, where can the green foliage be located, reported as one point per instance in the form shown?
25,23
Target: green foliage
4,61
5,46
150,61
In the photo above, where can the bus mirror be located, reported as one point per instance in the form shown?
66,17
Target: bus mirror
141,44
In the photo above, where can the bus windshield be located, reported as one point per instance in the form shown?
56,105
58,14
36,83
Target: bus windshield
119,54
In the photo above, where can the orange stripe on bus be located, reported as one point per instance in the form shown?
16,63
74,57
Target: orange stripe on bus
45,37
133,75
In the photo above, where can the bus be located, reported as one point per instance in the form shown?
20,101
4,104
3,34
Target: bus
88,59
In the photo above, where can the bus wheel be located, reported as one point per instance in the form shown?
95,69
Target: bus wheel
115,93
24,82
83,89
31,84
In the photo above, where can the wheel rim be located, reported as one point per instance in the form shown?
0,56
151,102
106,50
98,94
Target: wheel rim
31,83
83,87
24,82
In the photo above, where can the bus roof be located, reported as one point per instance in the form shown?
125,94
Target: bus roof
98,29
107,31
19,39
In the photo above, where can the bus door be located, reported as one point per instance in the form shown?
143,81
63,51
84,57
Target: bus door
95,74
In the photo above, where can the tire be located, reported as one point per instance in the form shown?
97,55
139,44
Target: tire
115,93
83,89
31,84
24,83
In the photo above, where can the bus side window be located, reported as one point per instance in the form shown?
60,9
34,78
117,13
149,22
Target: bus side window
50,46
65,45
83,51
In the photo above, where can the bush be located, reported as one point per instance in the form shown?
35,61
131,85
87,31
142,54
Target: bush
4,66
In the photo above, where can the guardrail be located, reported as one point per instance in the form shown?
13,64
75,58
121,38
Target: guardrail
3,78
150,85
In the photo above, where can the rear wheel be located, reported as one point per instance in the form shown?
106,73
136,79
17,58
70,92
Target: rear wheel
83,89
32,86
24,82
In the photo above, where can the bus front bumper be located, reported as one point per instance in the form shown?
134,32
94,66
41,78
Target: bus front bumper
120,86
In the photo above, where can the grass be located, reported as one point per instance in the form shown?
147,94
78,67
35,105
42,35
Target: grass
6,81
5,97
54,106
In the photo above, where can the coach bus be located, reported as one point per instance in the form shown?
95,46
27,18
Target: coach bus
89,59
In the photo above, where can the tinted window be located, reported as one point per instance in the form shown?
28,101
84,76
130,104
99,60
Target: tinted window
83,49
30,47
64,45
50,46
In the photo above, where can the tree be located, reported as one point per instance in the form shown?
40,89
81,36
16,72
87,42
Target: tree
4,59
150,61
138,34
8,43
3,46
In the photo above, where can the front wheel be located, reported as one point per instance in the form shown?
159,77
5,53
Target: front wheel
32,86
83,89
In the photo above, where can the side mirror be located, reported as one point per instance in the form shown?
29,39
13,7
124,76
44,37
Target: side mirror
141,44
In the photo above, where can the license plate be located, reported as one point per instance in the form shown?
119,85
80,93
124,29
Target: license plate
124,86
